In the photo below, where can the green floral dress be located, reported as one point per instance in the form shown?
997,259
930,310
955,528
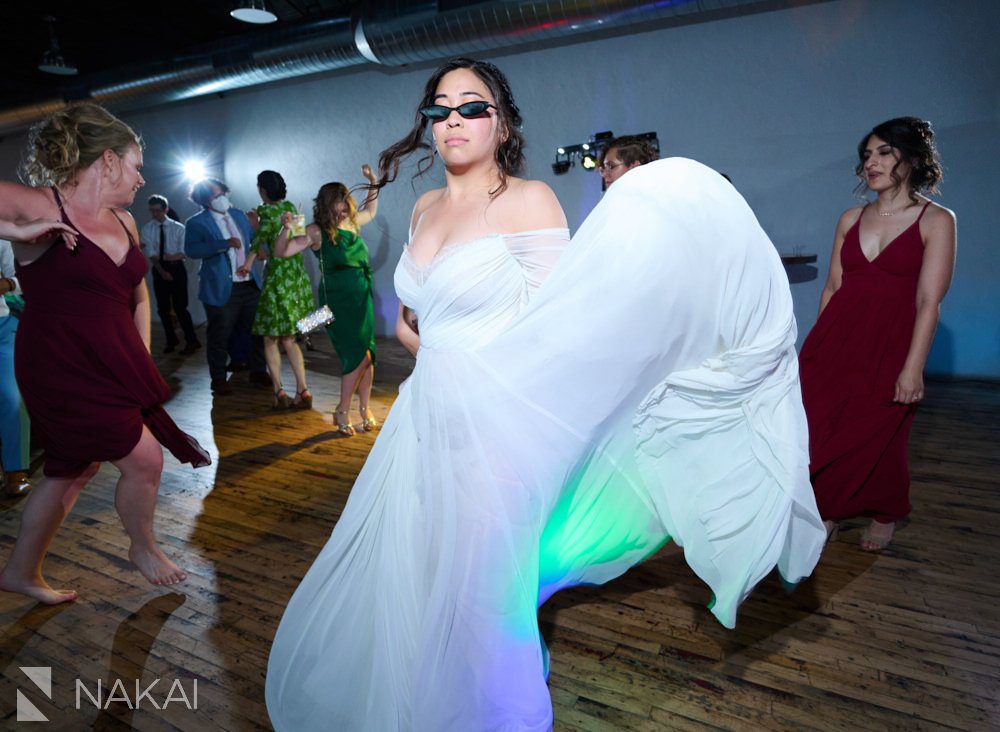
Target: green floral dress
347,289
287,295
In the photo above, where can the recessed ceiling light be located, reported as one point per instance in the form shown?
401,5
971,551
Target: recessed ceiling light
253,11
53,61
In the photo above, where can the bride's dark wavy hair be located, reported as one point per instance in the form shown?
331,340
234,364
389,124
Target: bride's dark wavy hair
509,154
914,138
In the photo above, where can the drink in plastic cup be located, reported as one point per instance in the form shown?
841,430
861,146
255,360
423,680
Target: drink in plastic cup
299,225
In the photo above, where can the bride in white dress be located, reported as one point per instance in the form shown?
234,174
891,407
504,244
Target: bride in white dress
573,406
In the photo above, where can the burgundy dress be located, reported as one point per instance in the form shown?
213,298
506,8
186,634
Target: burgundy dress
849,366
88,382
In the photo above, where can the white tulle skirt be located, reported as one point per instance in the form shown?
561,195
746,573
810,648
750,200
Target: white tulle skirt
648,391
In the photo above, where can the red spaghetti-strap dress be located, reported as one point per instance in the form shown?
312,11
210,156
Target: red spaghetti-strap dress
849,366
88,382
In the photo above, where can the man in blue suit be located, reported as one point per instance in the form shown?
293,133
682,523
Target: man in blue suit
220,237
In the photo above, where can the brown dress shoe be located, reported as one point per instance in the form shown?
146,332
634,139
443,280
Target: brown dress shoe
16,483
221,387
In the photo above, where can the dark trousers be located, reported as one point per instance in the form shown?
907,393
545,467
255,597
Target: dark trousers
222,320
239,346
173,295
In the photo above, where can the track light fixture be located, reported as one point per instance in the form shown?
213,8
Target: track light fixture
590,152
566,157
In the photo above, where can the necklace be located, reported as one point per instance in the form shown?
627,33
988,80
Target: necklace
891,213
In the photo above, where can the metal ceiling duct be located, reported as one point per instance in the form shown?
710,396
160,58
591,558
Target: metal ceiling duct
389,35
392,32
282,54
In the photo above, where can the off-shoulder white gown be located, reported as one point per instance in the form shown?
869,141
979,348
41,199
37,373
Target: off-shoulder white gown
568,413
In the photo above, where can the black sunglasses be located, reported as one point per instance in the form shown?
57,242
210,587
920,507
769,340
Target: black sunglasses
438,112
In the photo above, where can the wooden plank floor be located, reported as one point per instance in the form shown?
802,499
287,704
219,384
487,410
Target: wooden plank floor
909,639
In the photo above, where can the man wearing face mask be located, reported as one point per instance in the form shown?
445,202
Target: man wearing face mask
220,237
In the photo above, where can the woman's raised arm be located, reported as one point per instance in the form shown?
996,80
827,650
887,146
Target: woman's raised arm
28,216
288,246
370,207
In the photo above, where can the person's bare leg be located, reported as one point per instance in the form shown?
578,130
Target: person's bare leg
368,421
135,501
272,356
349,383
297,363
46,508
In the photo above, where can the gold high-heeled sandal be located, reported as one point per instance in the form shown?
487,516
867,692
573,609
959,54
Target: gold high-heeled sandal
281,400
303,399
344,428
368,421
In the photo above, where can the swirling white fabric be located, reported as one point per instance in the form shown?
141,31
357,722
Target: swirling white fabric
566,415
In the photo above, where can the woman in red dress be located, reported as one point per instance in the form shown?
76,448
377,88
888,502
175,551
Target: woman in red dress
82,353
862,365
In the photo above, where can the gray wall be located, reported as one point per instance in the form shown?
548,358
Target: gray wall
777,100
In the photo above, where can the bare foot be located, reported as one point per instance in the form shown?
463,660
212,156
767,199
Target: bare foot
877,536
37,589
155,566
832,529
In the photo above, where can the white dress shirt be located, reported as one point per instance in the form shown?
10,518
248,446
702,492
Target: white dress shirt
149,237
220,221
7,270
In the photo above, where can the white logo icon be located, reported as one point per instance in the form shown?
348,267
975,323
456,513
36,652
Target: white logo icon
41,676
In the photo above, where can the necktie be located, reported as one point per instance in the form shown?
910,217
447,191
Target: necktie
163,242
241,257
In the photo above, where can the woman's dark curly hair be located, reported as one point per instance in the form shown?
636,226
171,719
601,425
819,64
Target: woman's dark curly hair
914,139
273,185
509,154
329,195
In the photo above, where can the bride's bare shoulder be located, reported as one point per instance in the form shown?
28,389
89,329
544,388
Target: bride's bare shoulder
425,201
536,204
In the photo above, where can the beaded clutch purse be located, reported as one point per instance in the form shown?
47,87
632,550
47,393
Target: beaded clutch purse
316,319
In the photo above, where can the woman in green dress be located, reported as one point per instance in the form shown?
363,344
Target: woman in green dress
346,287
287,295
